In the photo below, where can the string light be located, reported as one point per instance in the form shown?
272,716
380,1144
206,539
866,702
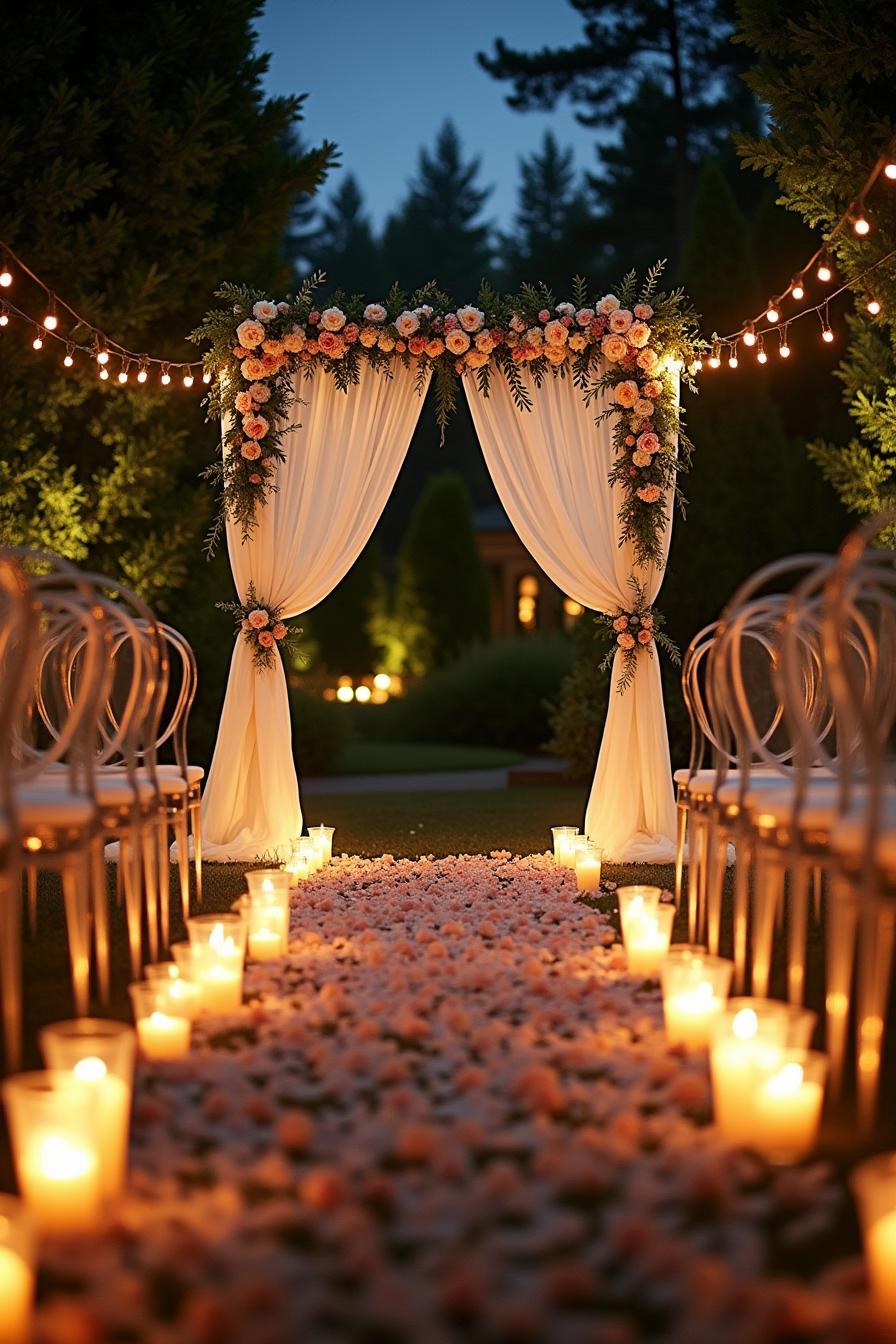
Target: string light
166,376
890,171
4,317
861,226
826,333
714,359
5,274
102,356
824,272
732,358
123,373
188,380
37,343
69,359
761,356
142,374
750,334
771,313
104,373
797,289
783,347
873,306
51,321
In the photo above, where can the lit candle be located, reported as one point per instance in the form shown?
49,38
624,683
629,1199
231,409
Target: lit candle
163,1028
16,1271
312,854
99,1054
588,864
268,882
298,867
267,920
219,945
787,1101
748,1033
55,1155
264,944
563,845
695,988
646,937
323,838
874,1188
183,990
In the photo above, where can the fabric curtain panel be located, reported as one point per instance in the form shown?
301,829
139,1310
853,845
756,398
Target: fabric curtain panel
550,468
341,464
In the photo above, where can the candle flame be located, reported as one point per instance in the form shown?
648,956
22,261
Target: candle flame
62,1161
787,1082
90,1070
745,1024
216,937
160,1020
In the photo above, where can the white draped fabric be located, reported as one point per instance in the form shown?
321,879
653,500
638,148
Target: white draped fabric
550,468
341,464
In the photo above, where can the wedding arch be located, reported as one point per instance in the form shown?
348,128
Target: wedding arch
576,407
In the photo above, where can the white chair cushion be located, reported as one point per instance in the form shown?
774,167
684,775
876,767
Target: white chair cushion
50,806
195,773
112,789
848,837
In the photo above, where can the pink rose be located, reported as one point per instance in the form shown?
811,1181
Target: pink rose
627,394
620,623
649,494
544,315
282,307
314,318
620,320
255,479
653,388
260,392
250,450
258,618
279,630
265,639
643,311
584,317
625,641
255,426
648,442
332,319
243,403
644,636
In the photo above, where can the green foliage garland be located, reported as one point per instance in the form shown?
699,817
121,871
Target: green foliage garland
635,631
262,627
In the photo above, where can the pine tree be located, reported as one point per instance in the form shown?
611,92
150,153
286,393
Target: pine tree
345,246
437,231
683,46
442,585
551,220
140,164
825,70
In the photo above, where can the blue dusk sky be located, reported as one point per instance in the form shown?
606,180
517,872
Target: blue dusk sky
382,75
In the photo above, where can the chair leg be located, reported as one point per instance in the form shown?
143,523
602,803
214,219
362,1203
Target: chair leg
769,881
31,880
75,887
798,918
196,824
695,852
131,876
742,869
11,965
100,905
874,970
163,844
119,874
151,885
682,827
817,888
717,862
182,831
840,941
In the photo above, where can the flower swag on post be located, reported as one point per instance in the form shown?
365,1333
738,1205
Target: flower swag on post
635,632
261,628
630,344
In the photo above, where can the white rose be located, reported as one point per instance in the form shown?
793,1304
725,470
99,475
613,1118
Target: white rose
264,310
470,318
374,312
608,304
407,323
332,319
565,309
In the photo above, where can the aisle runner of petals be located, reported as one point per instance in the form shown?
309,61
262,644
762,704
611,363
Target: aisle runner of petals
449,1115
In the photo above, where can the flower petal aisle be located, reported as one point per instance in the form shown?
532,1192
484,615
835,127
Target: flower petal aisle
448,1114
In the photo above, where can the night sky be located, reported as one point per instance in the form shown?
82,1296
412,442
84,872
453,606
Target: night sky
382,75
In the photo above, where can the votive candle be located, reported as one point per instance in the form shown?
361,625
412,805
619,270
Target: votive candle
268,883
163,1028
588,865
874,1190
695,988
183,989
788,1098
323,838
54,1149
219,946
17,1256
563,847
748,1033
646,937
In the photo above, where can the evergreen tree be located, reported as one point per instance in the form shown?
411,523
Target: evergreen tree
551,220
825,70
345,246
437,231
304,229
683,47
141,163
442,584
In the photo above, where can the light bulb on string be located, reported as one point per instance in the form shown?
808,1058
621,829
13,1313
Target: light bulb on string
761,356
4,317
824,272
5,274
102,356
69,358
188,379
873,305
37,343
166,376
732,357
750,334
826,334
890,171
797,289
51,321
861,226
771,313
206,377
142,374
783,347
104,373
123,372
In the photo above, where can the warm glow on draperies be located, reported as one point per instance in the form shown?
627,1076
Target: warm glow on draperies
341,464
550,468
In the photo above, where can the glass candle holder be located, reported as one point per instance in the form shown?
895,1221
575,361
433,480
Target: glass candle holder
787,1103
695,988
646,935
298,867
182,987
99,1054
874,1190
747,1034
219,949
312,854
267,922
268,882
53,1142
588,864
163,1027
323,838
17,1262
639,899
563,850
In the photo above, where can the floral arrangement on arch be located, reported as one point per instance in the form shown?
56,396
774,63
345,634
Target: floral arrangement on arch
627,347
634,632
262,628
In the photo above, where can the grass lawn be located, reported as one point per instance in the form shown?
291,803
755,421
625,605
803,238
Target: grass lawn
376,758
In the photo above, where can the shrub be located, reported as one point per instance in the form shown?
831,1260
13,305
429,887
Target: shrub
320,732
493,695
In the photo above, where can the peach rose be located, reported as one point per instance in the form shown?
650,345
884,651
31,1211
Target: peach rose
266,639
407,323
332,319
435,347
368,337
243,403
255,479
649,493
555,354
253,368
613,348
608,304
279,630
260,392
485,342
255,426
264,310
584,317
250,450
258,618
457,341
535,336
644,636
400,347
555,333
647,360
638,335
331,344
641,459
627,394
578,341
474,359
620,623
250,334
620,320
470,318
517,324
273,347
386,341
653,388
644,408
643,311
625,641
648,442
293,341
352,332
374,312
